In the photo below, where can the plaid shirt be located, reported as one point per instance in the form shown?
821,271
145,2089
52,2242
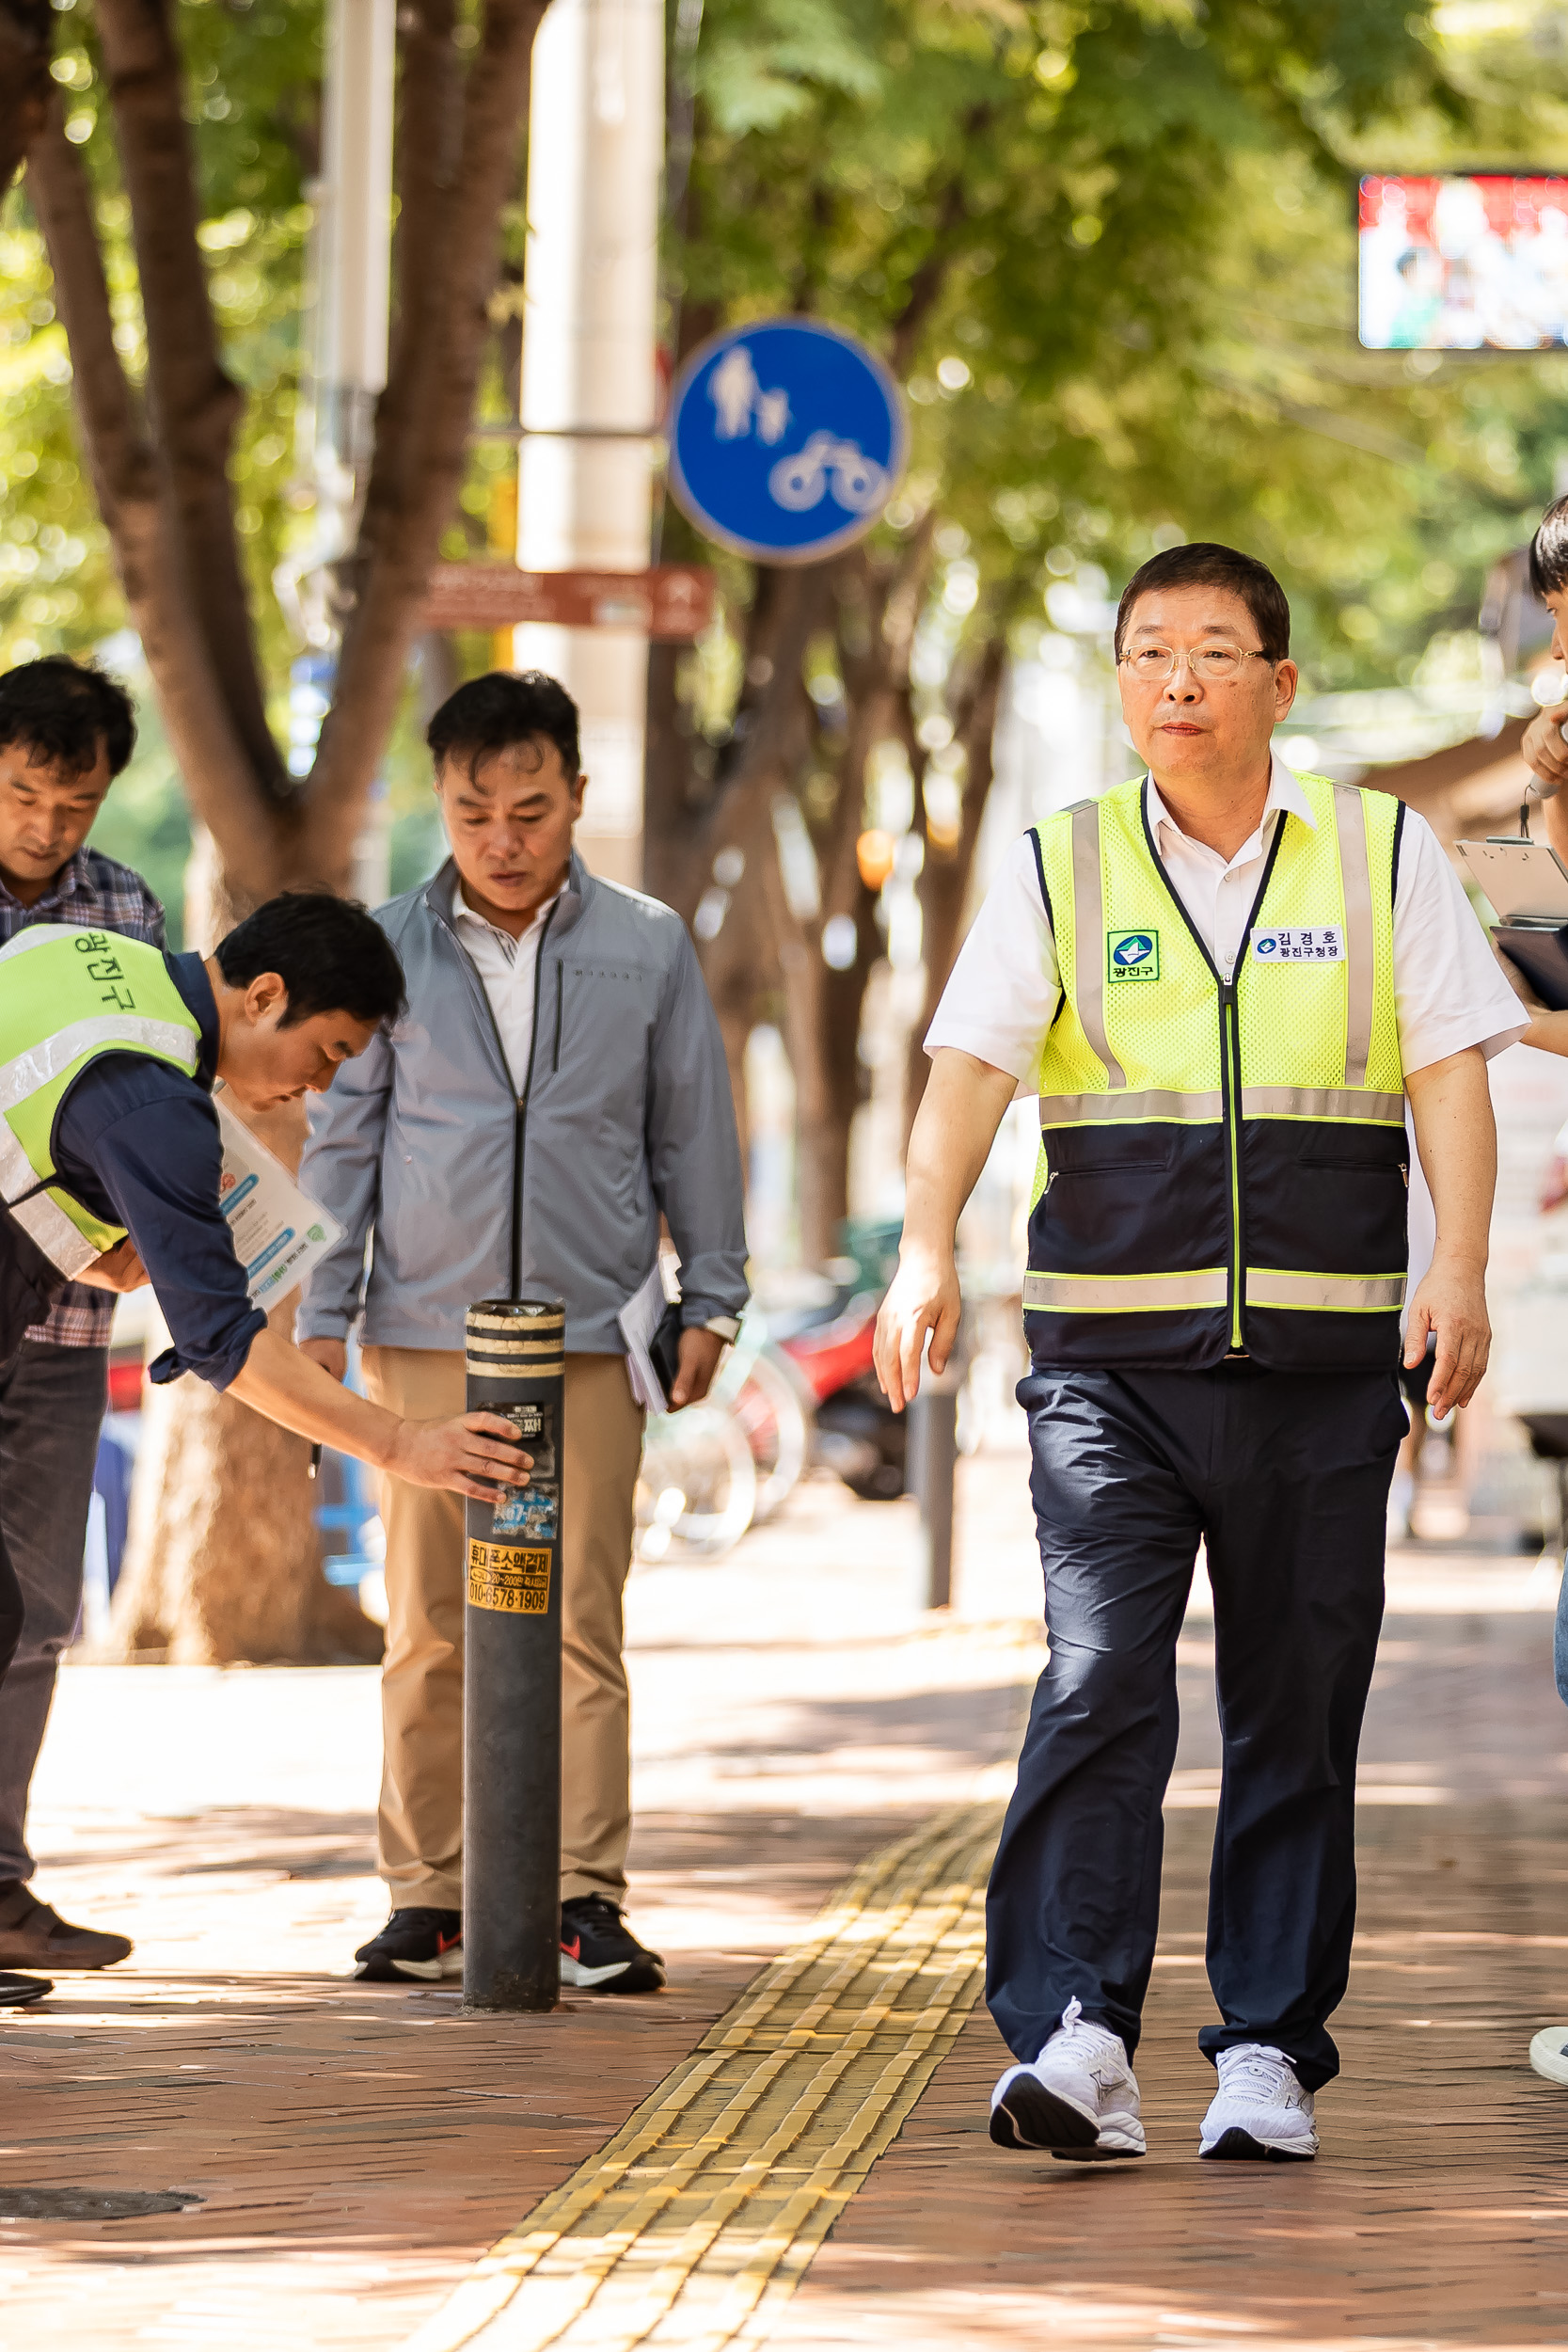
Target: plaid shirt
90,893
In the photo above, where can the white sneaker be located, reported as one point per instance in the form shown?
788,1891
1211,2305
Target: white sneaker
1259,2112
1078,2099
1548,2053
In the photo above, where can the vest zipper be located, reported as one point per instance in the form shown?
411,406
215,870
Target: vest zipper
1230,1050
559,993
1232,1095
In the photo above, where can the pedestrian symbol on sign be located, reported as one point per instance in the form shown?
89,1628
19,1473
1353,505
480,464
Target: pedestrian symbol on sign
740,400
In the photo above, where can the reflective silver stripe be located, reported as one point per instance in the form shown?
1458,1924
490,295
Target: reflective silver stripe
43,1218
35,935
1360,941
1088,937
17,1173
45,1062
55,1235
1347,1102
1096,1110
1336,1293
1122,1293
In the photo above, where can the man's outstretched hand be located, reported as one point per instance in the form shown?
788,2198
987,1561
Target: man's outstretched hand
922,1298
476,1454
457,1455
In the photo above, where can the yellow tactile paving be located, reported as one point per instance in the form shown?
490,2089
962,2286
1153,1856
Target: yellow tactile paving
701,2215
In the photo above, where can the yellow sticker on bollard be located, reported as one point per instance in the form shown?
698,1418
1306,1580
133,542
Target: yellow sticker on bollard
503,1577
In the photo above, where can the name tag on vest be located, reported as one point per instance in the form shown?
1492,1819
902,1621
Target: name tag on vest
1324,943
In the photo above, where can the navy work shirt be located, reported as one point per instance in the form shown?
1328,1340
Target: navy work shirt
137,1143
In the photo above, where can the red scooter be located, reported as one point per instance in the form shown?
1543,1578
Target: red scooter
857,1432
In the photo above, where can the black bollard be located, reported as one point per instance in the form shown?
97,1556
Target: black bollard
511,1671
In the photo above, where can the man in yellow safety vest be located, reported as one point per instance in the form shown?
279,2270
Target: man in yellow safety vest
111,1157
1224,981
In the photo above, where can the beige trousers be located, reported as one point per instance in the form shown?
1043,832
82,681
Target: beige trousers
420,1817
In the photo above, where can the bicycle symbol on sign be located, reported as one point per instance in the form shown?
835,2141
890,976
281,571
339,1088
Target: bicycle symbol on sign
858,483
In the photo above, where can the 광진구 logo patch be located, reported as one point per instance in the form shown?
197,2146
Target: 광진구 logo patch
1132,955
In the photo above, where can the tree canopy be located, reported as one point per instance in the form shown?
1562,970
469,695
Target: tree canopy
1108,249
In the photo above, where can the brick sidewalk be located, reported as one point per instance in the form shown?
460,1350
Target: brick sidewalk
356,2147
1439,2211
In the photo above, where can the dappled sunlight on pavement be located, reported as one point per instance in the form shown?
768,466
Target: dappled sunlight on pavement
358,2148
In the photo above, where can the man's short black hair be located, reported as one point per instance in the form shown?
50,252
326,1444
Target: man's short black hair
1548,551
62,710
1207,564
503,708
329,954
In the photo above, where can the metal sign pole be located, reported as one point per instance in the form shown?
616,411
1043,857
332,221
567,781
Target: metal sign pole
933,1459
511,1670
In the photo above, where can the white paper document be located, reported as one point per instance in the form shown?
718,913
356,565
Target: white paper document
281,1236
639,1320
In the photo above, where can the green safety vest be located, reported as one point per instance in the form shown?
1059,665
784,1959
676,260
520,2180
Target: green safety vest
1223,1166
66,997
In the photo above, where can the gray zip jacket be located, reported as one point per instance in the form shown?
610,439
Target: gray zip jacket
473,1189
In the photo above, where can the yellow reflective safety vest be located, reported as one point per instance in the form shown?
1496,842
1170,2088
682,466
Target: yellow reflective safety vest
1223,1165
66,997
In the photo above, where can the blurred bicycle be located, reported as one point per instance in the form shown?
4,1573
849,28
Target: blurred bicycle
716,1468
698,1483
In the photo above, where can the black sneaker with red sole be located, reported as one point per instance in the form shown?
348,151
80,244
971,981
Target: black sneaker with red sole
418,1941
600,1952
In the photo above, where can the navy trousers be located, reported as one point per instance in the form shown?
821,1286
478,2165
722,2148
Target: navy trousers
1285,1476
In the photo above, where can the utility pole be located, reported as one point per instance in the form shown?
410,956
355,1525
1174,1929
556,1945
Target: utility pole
354,228
352,254
589,385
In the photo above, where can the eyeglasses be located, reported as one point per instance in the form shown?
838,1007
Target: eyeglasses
1154,664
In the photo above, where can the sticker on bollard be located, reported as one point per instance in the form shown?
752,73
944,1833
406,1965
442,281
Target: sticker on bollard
516,1364
533,1517
501,1576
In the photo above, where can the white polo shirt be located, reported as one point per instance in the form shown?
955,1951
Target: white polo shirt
507,967
1448,988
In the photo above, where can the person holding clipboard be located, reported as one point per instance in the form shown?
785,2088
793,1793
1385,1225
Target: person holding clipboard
112,1158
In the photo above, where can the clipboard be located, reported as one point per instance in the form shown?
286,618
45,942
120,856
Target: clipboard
1526,884
281,1235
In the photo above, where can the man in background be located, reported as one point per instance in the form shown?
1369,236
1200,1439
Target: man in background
557,1085
66,731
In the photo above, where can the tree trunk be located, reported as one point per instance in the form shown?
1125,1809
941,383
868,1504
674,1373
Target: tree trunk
825,1052
674,820
945,876
26,31
224,1562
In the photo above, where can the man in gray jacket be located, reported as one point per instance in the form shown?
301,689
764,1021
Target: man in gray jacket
557,1083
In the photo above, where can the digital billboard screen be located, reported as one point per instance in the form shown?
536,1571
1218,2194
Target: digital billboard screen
1473,262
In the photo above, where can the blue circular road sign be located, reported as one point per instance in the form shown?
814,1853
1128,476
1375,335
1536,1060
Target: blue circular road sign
787,440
